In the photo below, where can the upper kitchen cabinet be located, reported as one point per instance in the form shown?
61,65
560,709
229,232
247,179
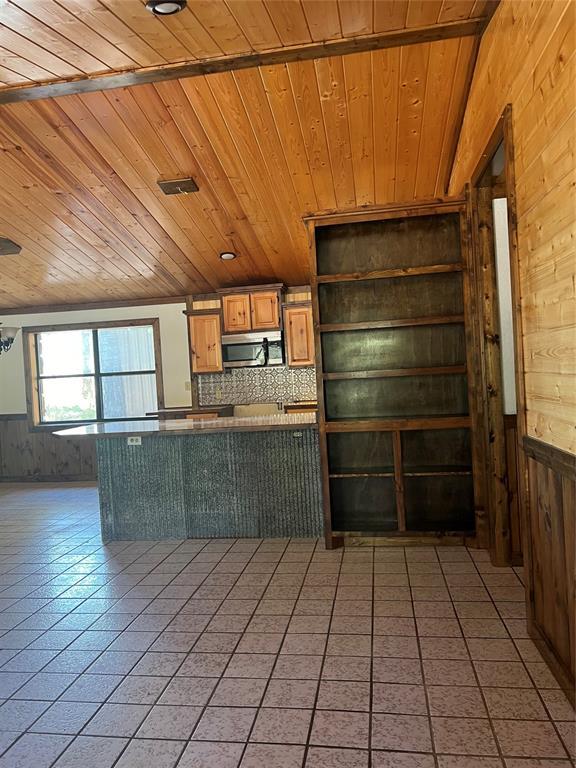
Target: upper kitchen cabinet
236,312
299,335
265,310
251,308
205,331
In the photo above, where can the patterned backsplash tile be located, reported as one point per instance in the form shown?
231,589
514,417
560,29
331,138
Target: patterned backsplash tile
239,386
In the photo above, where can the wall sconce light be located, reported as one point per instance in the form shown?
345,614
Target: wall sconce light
7,336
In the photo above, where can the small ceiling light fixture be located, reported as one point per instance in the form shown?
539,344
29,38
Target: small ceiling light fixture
7,336
165,7
227,256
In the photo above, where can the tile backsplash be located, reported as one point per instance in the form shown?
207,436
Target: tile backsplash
257,385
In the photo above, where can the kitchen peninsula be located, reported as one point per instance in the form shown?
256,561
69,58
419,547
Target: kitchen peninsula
203,478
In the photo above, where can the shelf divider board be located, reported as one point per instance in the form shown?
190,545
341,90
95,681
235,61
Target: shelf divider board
370,325
395,372
383,274
399,481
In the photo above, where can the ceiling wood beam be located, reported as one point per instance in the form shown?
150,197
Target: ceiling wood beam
341,47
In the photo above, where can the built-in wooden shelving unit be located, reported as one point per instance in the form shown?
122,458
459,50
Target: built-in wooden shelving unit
392,362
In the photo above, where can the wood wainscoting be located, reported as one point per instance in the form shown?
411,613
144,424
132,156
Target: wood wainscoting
550,558
40,456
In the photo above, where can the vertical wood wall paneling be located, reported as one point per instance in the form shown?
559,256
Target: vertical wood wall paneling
40,456
535,72
550,562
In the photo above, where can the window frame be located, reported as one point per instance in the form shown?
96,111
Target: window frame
33,378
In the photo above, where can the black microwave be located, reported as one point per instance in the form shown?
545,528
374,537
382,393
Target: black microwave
247,350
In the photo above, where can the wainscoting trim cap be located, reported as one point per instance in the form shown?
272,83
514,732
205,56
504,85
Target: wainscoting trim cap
561,461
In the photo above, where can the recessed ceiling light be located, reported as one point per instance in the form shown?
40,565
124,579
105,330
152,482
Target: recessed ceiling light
227,256
165,7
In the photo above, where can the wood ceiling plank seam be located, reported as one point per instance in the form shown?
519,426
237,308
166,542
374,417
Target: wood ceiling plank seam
202,102
85,200
289,21
215,178
356,17
255,23
8,77
35,251
390,15
31,167
423,12
334,110
17,282
281,101
452,10
208,212
323,19
67,26
24,23
307,98
95,16
114,198
359,88
75,264
441,74
90,242
151,146
196,38
155,32
253,95
463,77
235,120
215,17
413,68
22,67
386,94
19,45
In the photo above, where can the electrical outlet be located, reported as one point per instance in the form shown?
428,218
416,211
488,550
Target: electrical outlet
218,394
134,440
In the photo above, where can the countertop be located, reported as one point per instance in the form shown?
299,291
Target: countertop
187,426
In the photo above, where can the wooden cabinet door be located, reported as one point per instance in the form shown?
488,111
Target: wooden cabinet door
236,310
299,336
265,310
206,343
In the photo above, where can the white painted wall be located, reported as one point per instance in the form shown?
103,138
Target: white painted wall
500,212
173,336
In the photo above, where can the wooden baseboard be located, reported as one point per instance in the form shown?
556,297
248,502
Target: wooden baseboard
562,675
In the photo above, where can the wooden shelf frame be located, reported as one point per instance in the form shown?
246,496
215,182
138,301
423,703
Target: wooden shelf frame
399,472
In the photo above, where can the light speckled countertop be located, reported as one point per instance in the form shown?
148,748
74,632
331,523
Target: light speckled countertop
186,426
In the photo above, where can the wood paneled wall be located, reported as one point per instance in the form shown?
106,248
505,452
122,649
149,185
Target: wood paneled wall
528,58
550,558
40,456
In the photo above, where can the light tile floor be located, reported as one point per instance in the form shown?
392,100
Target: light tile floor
260,654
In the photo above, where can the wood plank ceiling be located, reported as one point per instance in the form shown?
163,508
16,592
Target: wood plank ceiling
78,173
45,40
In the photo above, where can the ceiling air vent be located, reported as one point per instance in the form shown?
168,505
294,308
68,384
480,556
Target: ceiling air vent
178,186
9,247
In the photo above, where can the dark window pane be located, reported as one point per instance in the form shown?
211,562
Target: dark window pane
126,349
65,353
126,397
70,399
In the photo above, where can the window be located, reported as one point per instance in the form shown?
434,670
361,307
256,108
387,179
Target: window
104,372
